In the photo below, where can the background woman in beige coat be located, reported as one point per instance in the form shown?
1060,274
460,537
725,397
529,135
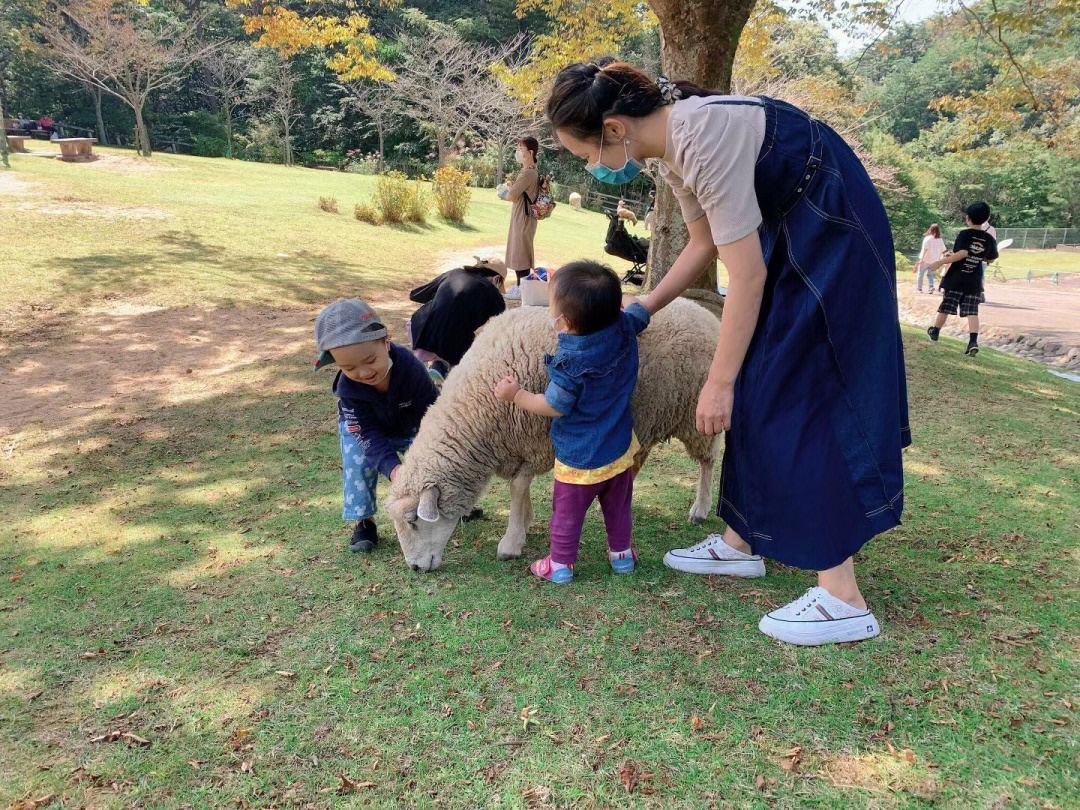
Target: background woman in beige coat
521,194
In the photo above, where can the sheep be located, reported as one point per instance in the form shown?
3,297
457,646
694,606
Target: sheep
468,435
575,200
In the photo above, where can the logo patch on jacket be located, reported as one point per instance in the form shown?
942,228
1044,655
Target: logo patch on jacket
353,428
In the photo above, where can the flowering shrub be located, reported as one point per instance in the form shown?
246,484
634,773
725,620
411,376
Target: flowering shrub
367,213
452,193
397,199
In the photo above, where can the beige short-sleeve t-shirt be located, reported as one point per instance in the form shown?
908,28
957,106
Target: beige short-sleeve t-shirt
712,150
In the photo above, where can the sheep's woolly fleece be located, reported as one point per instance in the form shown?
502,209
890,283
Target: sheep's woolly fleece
468,435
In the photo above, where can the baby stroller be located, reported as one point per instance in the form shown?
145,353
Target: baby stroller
634,249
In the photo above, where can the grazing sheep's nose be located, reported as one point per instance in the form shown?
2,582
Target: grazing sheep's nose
416,567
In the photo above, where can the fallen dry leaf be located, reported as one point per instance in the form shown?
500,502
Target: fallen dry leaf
628,775
33,804
527,715
285,673
246,766
125,736
759,782
86,656
696,723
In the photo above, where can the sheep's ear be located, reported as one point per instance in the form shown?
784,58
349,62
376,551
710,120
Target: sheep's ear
428,507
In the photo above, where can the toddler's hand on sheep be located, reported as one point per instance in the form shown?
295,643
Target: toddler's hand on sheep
506,389
627,300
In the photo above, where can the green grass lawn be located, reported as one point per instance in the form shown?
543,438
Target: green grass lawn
181,230
184,627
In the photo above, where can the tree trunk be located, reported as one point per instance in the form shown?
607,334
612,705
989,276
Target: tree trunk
698,39
440,138
3,138
228,128
500,174
287,156
141,135
381,129
95,92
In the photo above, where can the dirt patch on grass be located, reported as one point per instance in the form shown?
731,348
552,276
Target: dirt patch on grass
131,164
117,358
98,364
12,185
92,209
880,773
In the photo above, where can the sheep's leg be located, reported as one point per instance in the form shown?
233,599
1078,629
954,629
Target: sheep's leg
703,498
521,516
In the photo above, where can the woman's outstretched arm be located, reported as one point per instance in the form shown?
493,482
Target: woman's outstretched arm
687,269
746,284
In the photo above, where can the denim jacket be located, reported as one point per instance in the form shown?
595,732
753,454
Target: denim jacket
591,379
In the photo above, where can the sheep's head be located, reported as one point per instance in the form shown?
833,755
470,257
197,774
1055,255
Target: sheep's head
423,530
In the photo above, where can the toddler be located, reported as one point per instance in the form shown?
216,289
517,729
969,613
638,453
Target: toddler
591,378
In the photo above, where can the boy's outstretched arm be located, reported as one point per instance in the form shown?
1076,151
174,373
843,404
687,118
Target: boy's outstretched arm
950,259
508,390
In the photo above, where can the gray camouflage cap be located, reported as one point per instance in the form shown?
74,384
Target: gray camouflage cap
344,323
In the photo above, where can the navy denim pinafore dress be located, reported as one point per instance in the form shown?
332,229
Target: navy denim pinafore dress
812,463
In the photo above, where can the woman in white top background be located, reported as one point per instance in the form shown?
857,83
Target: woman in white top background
933,248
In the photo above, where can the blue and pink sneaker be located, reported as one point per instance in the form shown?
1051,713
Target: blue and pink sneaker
622,562
548,569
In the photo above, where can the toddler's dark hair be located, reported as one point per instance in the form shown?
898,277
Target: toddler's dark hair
978,212
589,295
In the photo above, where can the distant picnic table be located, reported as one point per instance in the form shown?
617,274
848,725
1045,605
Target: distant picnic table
74,148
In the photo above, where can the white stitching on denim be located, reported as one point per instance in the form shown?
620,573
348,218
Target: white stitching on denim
736,511
830,217
892,500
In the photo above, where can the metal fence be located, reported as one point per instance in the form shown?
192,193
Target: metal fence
1032,238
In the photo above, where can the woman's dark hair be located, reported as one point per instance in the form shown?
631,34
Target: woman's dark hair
934,231
533,145
585,93
589,295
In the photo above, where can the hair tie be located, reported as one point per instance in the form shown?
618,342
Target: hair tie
669,91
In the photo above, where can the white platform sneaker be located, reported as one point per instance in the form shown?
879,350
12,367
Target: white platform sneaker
818,617
714,556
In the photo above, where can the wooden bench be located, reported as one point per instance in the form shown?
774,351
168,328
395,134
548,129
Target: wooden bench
75,148
17,143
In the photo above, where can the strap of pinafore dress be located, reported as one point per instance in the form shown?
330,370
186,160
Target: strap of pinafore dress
787,200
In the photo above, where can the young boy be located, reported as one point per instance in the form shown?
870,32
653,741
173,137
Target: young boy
961,281
591,379
383,391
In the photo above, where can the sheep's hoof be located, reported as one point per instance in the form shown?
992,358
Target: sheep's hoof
698,515
510,550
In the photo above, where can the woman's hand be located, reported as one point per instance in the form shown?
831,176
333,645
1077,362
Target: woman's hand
506,389
714,407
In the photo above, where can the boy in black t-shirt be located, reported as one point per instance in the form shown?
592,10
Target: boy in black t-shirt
961,281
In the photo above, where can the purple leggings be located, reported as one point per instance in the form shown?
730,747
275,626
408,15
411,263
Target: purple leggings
569,504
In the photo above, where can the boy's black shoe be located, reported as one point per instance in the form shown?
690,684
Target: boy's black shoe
364,537
933,332
972,349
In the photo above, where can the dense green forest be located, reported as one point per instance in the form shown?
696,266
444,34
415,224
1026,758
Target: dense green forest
946,111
